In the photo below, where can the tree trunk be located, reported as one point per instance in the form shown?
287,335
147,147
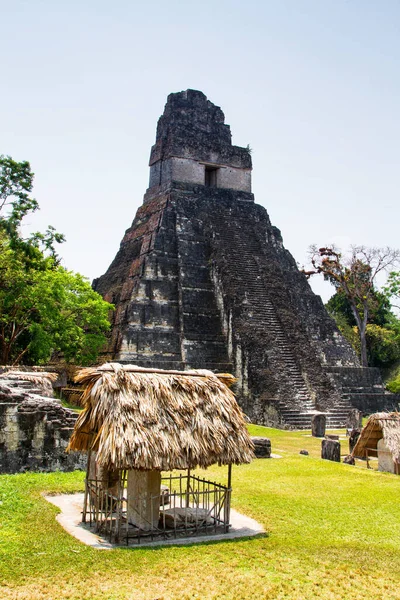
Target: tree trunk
4,354
363,340
20,355
362,329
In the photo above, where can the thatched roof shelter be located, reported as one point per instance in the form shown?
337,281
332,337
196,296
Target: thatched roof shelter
148,419
42,379
380,425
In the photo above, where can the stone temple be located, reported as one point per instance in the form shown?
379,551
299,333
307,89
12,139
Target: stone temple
202,280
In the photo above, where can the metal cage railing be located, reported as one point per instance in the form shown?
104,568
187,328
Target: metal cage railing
186,506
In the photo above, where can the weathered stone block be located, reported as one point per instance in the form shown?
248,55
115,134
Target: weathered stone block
34,432
143,493
354,419
330,450
200,324
353,437
262,447
349,460
318,425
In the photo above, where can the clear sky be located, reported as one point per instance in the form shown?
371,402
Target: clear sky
312,85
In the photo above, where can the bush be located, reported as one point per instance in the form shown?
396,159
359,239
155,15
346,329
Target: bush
394,385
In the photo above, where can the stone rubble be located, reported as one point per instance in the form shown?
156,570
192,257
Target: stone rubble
34,430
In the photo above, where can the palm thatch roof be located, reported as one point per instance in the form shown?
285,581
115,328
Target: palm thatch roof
42,379
137,418
380,425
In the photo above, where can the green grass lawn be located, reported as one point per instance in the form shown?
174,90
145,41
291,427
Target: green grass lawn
71,405
333,532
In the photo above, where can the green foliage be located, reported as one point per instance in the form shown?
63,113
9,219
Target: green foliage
379,310
16,181
71,405
392,288
71,318
339,306
344,322
43,307
394,385
382,330
383,345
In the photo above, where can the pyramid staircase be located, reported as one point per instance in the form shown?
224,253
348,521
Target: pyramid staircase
245,254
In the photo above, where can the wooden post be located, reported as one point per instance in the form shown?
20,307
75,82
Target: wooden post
229,476
188,489
228,499
120,493
85,497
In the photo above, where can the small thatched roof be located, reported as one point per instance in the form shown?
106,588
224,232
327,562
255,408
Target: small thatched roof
380,425
42,379
137,418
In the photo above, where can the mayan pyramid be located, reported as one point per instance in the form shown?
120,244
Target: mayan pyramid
202,280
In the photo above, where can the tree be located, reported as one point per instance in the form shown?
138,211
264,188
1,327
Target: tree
347,327
379,310
382,331
16,183
354,276
394,385
43,307
392,288
47,309
383,345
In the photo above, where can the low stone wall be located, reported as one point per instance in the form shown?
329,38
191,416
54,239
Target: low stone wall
371,403
34,431
364,388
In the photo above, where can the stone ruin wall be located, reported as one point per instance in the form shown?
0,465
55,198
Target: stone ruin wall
186,170
34,431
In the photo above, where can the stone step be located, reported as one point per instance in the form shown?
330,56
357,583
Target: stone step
295,413
303,420
261,310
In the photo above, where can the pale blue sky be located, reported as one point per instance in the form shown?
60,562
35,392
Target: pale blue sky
312,85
